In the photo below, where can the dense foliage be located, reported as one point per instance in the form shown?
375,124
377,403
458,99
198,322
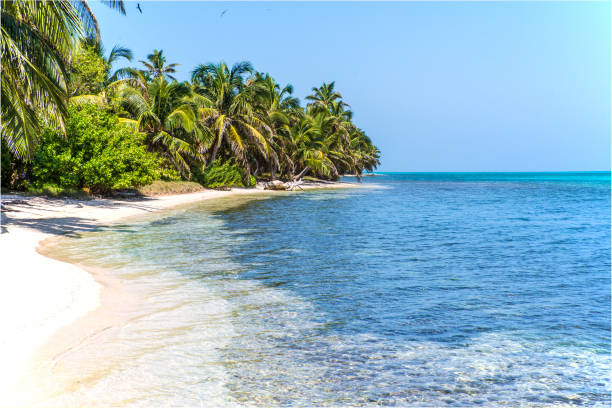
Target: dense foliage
76,122
88,72
224,174
240,114
97,153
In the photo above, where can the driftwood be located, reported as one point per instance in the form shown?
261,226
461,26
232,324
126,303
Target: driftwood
279,185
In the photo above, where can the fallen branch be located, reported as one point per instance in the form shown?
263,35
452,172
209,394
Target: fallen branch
280,186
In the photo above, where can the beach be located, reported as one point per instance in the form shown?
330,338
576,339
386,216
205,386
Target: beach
41,295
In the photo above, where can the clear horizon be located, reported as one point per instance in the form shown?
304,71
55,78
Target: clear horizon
439,87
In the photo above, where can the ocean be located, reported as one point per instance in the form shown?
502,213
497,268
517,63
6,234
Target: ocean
423,289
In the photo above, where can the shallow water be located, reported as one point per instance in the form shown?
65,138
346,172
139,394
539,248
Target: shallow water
430,290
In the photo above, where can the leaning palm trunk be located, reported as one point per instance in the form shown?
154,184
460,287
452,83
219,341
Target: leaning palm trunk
302,173
279,185
215,151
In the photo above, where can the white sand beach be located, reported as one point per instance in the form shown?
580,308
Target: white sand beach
40,295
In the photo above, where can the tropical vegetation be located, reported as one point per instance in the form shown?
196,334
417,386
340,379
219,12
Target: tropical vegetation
97,153
71,119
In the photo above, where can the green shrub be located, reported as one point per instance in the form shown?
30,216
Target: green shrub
97,153
223,174
88,71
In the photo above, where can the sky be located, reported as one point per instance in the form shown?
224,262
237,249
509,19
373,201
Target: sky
438,86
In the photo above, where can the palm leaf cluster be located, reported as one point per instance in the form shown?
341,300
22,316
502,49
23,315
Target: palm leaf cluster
37,40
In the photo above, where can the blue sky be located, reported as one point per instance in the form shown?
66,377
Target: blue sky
459,86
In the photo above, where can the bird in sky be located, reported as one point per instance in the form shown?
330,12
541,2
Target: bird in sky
138,7
223,12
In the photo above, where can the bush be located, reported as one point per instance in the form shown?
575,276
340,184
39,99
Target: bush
223,174
88,71
97,153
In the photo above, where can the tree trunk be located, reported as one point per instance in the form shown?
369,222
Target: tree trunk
272,171
299,176
256,172
247,174
215,151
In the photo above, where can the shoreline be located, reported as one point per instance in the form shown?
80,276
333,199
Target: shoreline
48,295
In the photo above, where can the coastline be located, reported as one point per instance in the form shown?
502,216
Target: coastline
48,295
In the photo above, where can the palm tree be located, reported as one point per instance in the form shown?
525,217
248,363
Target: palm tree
226,109
36,44
156,65
311,148
37,40
323,96
278,109
341,123
165,112
365,154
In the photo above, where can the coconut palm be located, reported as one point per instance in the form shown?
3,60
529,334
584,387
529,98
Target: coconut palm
226,109
324,96
328,102
311,148
36,44
156,65
278,109
366,155
37,39
165,112
341,123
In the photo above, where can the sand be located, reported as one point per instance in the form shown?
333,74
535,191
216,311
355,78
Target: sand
39,295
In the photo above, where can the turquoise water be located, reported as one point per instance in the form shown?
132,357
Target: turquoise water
430,289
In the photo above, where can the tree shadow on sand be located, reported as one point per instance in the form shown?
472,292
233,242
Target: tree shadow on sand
66,226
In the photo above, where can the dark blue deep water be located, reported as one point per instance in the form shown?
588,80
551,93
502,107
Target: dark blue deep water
438,289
